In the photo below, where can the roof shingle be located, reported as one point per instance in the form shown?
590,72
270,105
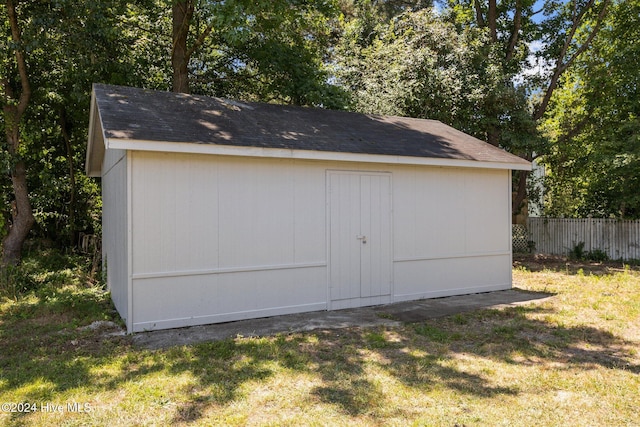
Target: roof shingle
138,114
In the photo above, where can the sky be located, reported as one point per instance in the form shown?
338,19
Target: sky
537,6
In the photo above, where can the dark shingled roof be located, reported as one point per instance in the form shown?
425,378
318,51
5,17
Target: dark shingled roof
138,114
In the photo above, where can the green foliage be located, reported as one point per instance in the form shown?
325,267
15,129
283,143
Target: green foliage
421,64
594,122
272,51
44,270
15,281
70,45
577,252
596,255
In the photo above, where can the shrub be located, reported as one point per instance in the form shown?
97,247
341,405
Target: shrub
47,267
577,252
597,255
15,281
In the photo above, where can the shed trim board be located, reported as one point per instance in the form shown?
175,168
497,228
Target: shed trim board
451,256
199,230
187,147
130,252
510,236
182,322
228,270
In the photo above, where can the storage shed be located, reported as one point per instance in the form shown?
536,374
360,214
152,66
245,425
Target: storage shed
217,210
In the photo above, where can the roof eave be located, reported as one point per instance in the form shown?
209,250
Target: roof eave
285,153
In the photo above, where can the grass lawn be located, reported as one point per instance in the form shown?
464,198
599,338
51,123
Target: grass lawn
573,359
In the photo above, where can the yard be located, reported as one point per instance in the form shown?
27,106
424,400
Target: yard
571,360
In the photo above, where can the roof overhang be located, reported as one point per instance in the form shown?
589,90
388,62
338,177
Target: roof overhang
99,141
280,153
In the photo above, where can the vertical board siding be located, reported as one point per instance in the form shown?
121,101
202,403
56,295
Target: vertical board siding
218,238
344,225
378,249
451,232
619,239
435,278
359,218
195,213
114,228
225,238
446,212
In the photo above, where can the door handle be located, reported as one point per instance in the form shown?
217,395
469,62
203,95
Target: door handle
362,237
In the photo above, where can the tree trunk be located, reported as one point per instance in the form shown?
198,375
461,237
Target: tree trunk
22,217
492,20
521,192
493,135
14,107
182,12
64,127
565,58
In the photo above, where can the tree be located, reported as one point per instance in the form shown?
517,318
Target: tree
594,123
265,50
566,32
421,66
16,96
84,42
493,45
426,65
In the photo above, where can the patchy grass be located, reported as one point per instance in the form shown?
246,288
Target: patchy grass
572,359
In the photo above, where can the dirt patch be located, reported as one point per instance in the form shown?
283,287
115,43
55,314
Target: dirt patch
539,262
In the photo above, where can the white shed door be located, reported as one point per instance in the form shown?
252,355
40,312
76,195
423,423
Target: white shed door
359,238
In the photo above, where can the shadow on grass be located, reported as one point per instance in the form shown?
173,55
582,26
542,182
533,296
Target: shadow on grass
420,357
44,351
45,354
512,336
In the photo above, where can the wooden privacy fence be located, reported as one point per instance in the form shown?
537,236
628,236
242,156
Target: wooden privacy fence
558,236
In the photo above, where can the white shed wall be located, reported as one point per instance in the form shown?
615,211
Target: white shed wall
451,231
225,238
115,238
218,238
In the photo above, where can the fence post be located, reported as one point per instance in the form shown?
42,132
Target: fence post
591,238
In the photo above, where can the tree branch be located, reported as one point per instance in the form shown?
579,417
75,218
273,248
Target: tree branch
517,24
16,37
492,20
591,36
199,41
561,64
538,11
576,20
479,16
